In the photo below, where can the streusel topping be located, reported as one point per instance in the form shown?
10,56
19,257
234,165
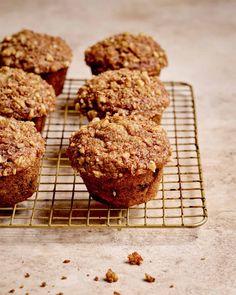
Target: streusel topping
116,145
122,91
35,52
20,145
24,95
127,51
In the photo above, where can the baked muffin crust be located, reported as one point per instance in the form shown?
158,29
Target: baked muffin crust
126,51
24,95
122,91
20,146
117,146
35,52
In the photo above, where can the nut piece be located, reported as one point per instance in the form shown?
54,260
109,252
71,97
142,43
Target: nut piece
2,159
135,258
140,83
111,277
149,278
152,166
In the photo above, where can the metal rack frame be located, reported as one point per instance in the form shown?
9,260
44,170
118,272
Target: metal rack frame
62,200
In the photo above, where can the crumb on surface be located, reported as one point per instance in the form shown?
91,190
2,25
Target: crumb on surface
21,287
43,284
63,278
171,286
12,291
149,278
203,258
27,275
66,261
116,293
111,276
135,258
60,293
96,278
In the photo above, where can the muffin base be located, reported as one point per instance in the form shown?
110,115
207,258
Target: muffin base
56,79
19,187
39,123
126,191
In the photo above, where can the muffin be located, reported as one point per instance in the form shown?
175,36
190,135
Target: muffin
41,54
21,150
25,96
122,91
120,159
135,52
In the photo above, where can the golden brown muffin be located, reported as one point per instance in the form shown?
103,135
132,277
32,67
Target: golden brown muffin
135,52
21,150
122,91
41,54
120,159
25,96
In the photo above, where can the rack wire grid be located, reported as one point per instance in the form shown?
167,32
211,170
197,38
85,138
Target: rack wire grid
62,200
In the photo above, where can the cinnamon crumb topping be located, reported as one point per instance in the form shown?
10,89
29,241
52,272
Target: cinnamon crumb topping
35,52
122,91
20,146
24,95
117,145
149,278
111,277
135,258
126,51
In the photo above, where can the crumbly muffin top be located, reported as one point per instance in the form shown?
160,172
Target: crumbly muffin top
35,52
127,51
122,91
117,145
24,95
20,145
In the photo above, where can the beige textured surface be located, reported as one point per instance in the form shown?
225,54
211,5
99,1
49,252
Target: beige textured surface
199,37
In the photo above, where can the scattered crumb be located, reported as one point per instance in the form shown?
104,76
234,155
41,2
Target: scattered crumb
95,279
27,293
171,286
12,291
27,275
111,276
149,278
43,284
116,293
63,278
87,275
66,261
21,287
60,293
135,258
203,258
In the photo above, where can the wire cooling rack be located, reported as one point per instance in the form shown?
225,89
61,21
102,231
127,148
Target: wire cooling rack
62,200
